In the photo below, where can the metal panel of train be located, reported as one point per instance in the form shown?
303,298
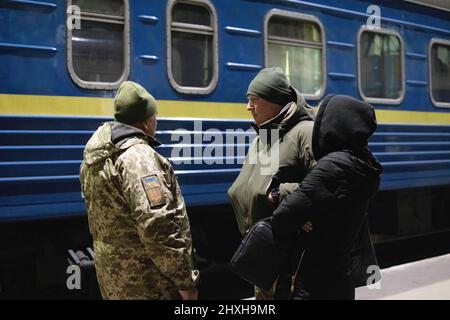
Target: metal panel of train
61,62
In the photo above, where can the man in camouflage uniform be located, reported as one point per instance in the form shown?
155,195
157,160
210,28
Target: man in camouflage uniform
137,215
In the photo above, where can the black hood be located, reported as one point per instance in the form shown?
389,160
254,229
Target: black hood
342,123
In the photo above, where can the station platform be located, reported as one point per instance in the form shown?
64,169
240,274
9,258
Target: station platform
427,279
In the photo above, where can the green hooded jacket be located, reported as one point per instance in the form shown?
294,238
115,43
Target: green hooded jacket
137,216
281,163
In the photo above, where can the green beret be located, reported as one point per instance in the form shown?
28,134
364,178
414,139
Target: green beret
272,85
133,104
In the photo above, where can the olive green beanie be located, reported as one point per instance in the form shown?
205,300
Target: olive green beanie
272,85
133,104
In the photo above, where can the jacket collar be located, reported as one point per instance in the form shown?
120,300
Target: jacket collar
121,133
292,114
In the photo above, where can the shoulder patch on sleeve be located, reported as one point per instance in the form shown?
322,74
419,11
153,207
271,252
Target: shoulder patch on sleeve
154,191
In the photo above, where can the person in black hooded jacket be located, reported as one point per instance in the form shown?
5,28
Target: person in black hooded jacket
334,196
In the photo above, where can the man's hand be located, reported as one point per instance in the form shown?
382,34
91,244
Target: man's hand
189,294
307,227
270,198
274,196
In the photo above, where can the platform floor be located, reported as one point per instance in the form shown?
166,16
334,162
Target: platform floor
427,279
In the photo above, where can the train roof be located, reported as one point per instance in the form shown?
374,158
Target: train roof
438,4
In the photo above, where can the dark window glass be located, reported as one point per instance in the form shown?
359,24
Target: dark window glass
187,13
294,29
440,72
302,62
192,51
97,51
192,61
381,65
98,47
108,7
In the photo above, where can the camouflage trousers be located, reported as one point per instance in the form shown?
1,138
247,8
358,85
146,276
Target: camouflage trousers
122,276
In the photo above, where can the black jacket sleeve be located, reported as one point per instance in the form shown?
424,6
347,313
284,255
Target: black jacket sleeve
321,189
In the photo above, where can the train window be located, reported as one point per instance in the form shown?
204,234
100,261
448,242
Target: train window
192,46
440,72
381,66
106,7
98,51
294,42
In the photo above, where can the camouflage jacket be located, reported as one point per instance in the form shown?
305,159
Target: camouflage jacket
137,216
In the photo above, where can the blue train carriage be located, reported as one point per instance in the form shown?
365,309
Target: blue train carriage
61,62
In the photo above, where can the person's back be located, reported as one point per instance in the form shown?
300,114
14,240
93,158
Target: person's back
337,220
334,196
136,213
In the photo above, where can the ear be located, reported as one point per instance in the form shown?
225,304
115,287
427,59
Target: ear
141,125
145,125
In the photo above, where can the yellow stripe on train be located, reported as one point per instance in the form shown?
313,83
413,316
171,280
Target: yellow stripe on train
87,106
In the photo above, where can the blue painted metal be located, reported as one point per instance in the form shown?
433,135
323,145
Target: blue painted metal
40,155
39,178
26,47
347,12
243,66
148,19
33,4
149,58
417,83
30,75
340,75
41,158
416,55
341,44
243,31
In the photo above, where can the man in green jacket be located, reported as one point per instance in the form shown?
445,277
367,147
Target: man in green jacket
279,157
137,215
